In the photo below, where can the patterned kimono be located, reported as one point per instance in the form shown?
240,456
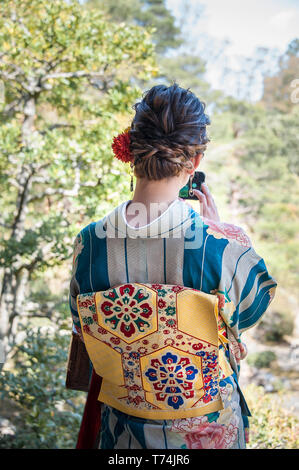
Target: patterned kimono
179,247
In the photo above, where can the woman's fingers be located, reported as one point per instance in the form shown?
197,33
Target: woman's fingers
243,350
207,203
201,196
203,202
204,188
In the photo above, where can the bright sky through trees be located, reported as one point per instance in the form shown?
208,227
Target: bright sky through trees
246,25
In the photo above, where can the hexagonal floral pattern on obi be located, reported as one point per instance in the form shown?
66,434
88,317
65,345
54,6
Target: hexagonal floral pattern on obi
156,347
128,312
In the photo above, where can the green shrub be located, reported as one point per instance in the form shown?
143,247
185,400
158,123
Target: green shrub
261,359
271,427
275,326
48,414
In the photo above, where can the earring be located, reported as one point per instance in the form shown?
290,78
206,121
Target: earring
190,185
131,186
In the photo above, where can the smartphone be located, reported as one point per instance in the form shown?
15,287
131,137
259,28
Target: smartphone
199,177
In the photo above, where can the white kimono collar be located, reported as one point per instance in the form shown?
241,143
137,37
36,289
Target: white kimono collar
175,219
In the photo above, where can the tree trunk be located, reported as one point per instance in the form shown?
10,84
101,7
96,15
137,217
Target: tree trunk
15,280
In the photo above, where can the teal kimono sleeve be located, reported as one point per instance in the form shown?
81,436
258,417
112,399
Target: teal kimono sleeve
256,294
254,290
245,282
74,289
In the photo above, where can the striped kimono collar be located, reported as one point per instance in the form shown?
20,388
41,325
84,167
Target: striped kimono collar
174,220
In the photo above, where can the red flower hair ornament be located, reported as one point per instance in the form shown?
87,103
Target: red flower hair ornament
121,146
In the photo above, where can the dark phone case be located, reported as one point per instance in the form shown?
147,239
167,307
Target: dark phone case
199,177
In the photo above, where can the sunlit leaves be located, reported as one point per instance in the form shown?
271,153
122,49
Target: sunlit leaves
37,387
81,70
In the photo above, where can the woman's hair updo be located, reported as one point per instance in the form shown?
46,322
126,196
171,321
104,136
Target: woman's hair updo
168,129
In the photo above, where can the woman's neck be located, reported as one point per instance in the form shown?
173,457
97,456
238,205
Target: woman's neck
151,199
148,191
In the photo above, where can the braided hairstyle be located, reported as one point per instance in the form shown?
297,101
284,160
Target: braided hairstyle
168,129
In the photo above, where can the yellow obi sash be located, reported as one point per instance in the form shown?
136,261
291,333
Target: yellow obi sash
157,348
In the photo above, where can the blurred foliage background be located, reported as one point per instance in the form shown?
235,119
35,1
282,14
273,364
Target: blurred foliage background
70,72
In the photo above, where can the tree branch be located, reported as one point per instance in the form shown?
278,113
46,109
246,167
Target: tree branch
64,192
5,225
13,107
57,126
77,74
25,180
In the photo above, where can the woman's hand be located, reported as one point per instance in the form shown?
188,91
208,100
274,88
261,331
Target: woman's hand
243,350
208,207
